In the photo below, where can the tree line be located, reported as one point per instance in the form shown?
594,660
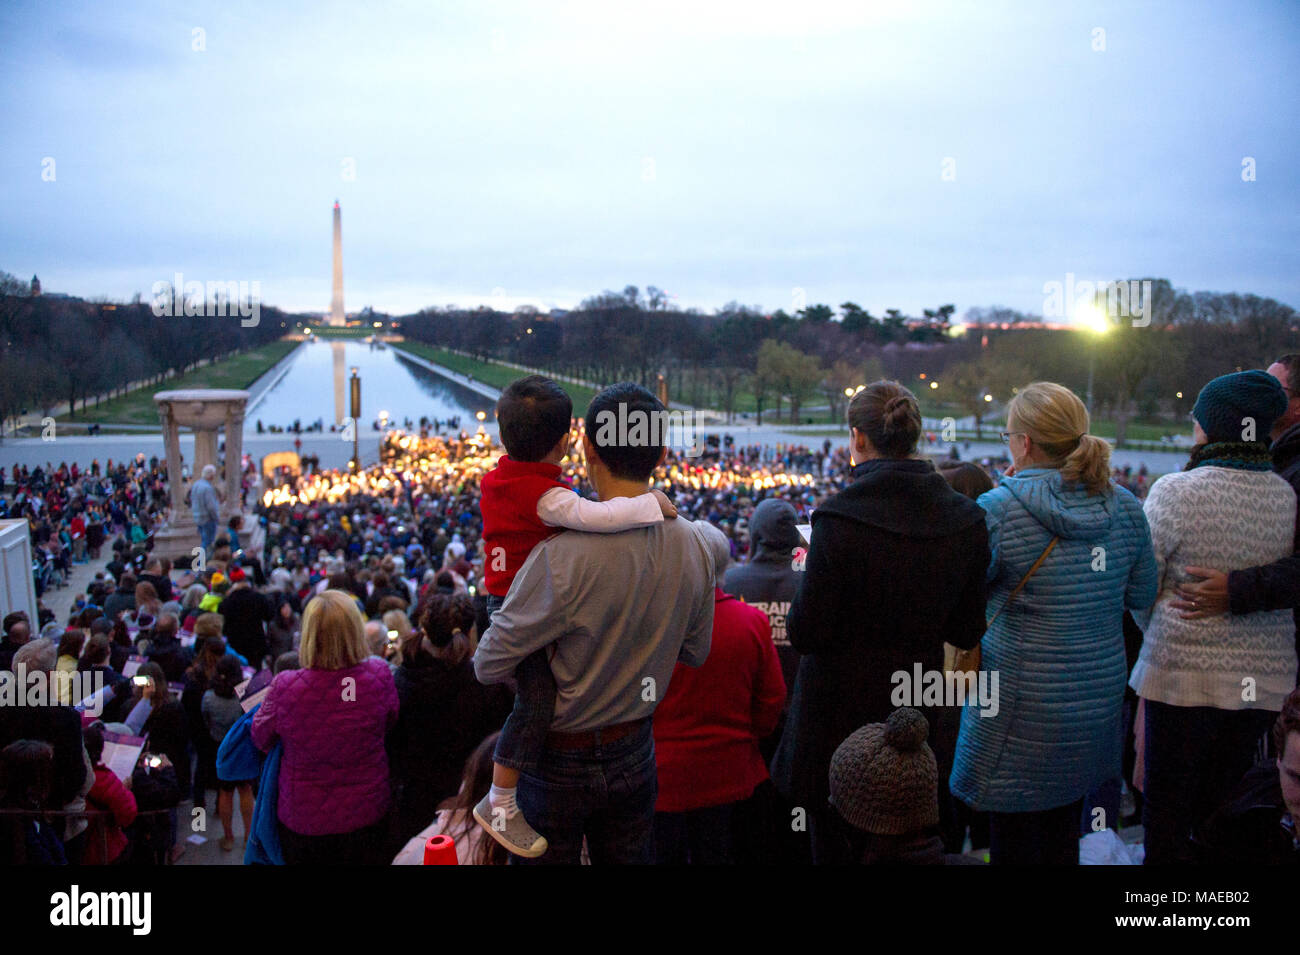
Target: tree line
57,349
742,357
736,359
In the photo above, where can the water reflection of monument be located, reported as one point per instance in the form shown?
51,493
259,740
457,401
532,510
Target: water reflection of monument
336,349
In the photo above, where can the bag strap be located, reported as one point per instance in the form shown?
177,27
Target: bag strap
1023,580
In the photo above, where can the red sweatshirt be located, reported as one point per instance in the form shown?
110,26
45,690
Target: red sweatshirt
109,794
710,720
511,527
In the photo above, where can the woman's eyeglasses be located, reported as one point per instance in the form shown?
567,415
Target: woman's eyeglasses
1006,436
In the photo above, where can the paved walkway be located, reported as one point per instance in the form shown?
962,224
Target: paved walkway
209,852
62,599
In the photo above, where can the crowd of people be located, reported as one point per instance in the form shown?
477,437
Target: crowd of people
72,512
760,655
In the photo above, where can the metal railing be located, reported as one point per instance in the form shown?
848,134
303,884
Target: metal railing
97,820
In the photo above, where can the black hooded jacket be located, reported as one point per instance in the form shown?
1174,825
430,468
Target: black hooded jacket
769,579
895,568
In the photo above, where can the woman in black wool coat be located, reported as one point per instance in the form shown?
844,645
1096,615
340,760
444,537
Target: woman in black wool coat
895,568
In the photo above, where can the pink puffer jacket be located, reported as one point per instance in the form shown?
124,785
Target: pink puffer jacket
334,772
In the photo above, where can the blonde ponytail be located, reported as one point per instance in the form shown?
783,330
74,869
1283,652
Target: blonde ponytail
1054,417
1089,464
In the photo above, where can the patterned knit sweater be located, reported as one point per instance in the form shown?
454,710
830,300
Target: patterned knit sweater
1227,519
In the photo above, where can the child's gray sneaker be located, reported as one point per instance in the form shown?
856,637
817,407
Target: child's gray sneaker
513,832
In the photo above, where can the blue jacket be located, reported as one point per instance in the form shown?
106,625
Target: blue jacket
238,758
1058,650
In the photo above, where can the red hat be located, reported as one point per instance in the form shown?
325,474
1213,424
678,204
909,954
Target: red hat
237,574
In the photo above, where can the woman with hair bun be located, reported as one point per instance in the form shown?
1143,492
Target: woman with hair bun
895,568
444,711
1070,552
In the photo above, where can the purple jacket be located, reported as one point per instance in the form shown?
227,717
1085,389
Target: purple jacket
334,775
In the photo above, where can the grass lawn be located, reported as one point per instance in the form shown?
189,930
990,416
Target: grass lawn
490,373
1140,430
137,407
823,432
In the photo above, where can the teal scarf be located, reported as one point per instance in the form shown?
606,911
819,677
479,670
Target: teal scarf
1241,455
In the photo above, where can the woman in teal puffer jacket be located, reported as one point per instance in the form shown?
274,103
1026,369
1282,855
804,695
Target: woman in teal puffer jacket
1058,647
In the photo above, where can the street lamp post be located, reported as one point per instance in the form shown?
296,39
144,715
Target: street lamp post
355,382
1097,323
1092,361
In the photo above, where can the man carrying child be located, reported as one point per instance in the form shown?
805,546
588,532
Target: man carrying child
524,501
614,613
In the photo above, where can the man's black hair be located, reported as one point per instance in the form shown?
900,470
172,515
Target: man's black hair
533,414
627,425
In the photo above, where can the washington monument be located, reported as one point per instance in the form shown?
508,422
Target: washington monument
337,315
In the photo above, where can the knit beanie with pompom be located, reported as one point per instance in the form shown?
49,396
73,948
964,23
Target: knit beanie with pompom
884,778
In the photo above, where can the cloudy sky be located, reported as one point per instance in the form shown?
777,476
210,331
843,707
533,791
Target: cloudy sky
896,154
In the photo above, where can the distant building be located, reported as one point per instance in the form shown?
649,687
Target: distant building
36,286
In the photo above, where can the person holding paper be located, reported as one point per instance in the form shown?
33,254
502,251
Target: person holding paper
110,795
159,715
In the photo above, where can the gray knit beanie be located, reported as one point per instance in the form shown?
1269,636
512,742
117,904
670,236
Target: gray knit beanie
884,779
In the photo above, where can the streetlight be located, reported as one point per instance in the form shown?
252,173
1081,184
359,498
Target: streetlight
356,419
933,385
1094,320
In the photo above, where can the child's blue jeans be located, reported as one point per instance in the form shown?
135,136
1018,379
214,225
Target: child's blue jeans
523,737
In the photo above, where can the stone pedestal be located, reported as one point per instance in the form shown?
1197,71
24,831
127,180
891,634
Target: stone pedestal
205,412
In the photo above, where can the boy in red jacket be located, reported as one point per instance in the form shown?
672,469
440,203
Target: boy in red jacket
523,502
109,794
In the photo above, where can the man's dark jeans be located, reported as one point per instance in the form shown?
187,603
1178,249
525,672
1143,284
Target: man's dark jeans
1194,756
605,792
